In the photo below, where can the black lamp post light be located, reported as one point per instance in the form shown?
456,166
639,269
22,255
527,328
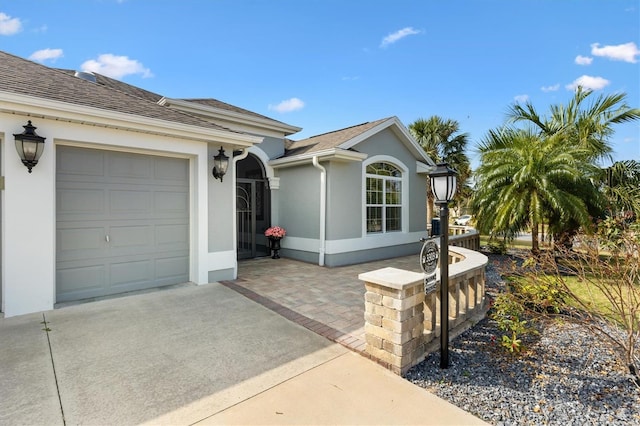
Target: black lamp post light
220,165
443,186
29,145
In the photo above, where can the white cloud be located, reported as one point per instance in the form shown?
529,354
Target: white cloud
622,52
9,25
553,88
583,60
115,66
288,105
400,34
521,98
353,78
46,54
588,82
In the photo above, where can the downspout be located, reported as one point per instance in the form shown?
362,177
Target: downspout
323,209
244,154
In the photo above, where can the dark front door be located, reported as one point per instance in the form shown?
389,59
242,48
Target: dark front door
252,209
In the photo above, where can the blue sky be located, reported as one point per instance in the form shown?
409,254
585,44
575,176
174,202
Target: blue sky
328,64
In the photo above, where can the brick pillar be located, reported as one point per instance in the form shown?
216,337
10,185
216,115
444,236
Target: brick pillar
394,318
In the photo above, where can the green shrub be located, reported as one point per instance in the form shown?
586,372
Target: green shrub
509,314
497,246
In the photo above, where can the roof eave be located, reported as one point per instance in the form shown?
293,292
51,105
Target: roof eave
334,154
400,130
39,107
209,111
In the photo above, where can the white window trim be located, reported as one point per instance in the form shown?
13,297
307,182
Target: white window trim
405,193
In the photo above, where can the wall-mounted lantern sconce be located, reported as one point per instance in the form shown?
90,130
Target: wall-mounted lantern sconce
220,165
29,146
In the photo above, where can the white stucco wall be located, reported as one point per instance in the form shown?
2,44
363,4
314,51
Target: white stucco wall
28,210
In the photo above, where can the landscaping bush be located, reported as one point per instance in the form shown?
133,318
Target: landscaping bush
598,290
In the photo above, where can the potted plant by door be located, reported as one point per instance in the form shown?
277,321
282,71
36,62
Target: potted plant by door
275,234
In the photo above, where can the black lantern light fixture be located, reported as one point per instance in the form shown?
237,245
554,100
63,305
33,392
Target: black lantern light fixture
220,165
443,186
29,146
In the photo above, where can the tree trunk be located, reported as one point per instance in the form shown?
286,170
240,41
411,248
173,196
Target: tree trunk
535,247
429,206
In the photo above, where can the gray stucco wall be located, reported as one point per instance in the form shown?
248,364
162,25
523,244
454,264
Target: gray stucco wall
386,143
418,203
220,211
344,200
299,201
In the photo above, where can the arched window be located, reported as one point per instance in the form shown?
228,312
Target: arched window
383,198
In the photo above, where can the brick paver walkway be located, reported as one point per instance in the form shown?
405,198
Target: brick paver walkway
328,301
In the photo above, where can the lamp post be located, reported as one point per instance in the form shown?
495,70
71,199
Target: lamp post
443,186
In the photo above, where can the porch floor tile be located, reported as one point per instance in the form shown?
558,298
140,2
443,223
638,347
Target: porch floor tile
327,301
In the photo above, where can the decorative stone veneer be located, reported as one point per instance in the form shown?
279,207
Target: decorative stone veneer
400,321
394,320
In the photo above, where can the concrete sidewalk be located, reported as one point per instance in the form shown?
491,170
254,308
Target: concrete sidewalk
190,355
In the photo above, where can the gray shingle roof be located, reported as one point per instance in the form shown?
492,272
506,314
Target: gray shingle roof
228,107
122,87
328,140
21,76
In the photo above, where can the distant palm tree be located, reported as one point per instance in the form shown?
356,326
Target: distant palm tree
621,185
522,178
442,142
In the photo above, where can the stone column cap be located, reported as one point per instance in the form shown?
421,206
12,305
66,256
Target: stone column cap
395,278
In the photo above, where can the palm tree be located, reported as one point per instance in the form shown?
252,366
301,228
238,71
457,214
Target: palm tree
442,141
584,129
522,178
621,185
585,126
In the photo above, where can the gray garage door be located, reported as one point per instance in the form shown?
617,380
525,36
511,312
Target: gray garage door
122,222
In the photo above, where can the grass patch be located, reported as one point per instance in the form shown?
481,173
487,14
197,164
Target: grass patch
520,244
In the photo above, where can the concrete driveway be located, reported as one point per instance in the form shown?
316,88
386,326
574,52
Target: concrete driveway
189,355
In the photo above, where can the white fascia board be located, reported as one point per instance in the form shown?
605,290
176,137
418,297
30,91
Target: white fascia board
212,112
423,168
333,154
32,106
400,130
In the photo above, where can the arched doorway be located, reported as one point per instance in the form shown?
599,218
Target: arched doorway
253,208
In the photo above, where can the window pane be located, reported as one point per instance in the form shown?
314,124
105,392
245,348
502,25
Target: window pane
374,219
384,169
394,219
383,195
374,191
393,192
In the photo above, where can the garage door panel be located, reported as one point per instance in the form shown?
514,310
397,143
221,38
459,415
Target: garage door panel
130,166
171,169
80,279
81,201
171,202
131,202
172,267
78,243
172,237
124,230
128,273
139,238
73,164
